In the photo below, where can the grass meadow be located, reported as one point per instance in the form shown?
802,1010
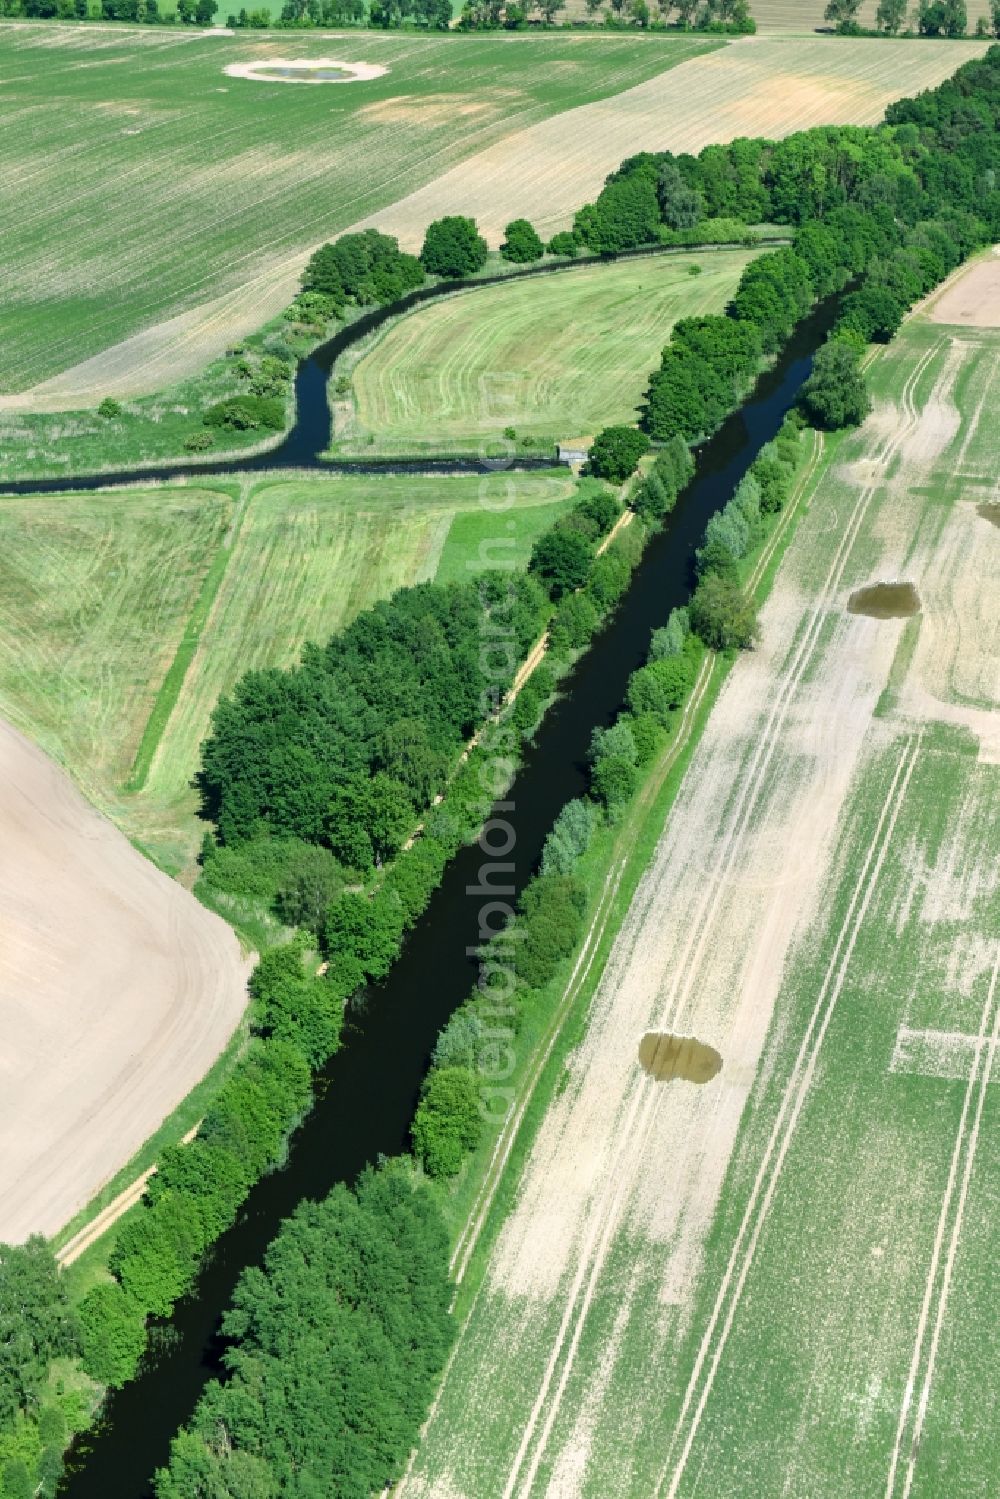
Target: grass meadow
140,180
125,614
553,356
825,1330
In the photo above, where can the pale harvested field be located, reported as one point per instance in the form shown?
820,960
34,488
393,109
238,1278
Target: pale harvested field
142,184
117,993
772,1284
756,86
545,171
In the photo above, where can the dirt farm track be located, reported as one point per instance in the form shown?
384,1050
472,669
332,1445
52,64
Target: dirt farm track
117,992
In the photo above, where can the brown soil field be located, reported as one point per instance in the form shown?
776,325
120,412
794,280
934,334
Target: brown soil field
117,993
971,300
755,86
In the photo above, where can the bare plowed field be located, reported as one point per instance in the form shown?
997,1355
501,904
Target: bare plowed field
117,993
776,1283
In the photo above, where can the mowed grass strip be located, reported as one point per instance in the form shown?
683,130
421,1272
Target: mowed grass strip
95,594
140,180
555,356
126,614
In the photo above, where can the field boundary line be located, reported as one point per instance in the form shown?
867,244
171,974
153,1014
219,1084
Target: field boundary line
635,1129
168,694
789,512
795,1094
981,1080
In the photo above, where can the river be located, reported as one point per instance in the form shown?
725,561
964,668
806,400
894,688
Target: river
368,1091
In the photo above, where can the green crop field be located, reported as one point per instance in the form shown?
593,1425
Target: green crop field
552,356
132,608
140,181
780,1283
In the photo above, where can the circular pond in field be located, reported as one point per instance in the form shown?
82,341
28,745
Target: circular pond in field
305,70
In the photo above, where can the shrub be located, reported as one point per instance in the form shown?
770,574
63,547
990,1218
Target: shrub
661,686
109,408
574,622
835,395
521,243
459,1043
247,413
548,920
617,740
562,559
564,244
616,452
368,929
722,615
608,579
448,1121
613,781
669,639
113,1333
570,837
199,442
453,247
313,880
294,1005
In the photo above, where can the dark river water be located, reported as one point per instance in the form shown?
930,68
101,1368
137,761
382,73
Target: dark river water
368,1092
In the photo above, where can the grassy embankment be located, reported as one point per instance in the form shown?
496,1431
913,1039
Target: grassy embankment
889,1240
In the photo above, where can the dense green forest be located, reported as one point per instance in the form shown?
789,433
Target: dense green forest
337,1344
37,1326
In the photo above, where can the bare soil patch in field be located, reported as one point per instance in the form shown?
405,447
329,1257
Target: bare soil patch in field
305,70
973,300
117,993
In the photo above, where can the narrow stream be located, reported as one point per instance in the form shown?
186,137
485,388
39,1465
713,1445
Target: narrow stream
310,434
368,1092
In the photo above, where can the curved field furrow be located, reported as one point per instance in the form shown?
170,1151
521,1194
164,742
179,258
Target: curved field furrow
554,356
111,972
